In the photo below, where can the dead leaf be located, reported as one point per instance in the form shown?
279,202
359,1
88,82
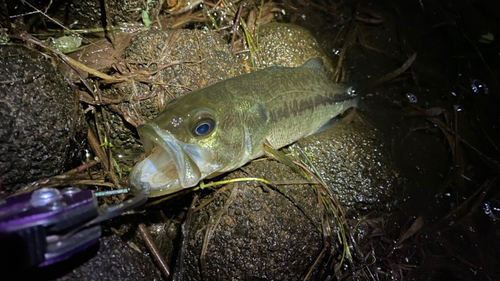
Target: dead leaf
97,56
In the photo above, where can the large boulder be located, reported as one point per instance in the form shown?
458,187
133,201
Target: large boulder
40,124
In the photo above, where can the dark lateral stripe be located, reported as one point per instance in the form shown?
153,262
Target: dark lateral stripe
297,107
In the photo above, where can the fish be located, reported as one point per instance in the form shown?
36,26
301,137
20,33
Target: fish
222,127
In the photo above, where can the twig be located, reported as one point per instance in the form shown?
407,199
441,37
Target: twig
343,51
225,182
236,24
109,32
490,161
332,206
111,170
295,182
83,167
396,72
158,257
216,194
414,228
316,262
92,182
486,185
282,158
96,147
44,13
276,188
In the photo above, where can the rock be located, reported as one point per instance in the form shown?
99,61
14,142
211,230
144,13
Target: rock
256,233
352,160
289,45
40,132
90,14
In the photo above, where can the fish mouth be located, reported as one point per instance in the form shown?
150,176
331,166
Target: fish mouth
170,165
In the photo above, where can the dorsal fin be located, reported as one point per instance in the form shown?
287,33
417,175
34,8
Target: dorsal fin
315,63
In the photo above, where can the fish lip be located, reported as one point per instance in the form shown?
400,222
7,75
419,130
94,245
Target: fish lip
163,150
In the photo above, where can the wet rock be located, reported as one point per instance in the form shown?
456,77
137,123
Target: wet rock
289,45
352,160
255,233
205,59
40,132
90,14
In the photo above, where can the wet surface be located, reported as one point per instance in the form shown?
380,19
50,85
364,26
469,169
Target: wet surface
289,45
354,163
40,132
254,233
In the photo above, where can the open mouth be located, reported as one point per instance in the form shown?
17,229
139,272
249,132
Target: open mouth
168,167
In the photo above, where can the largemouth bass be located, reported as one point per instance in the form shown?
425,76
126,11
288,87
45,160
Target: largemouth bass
223,126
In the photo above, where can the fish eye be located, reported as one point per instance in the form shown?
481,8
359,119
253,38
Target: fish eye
204,127
202,123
